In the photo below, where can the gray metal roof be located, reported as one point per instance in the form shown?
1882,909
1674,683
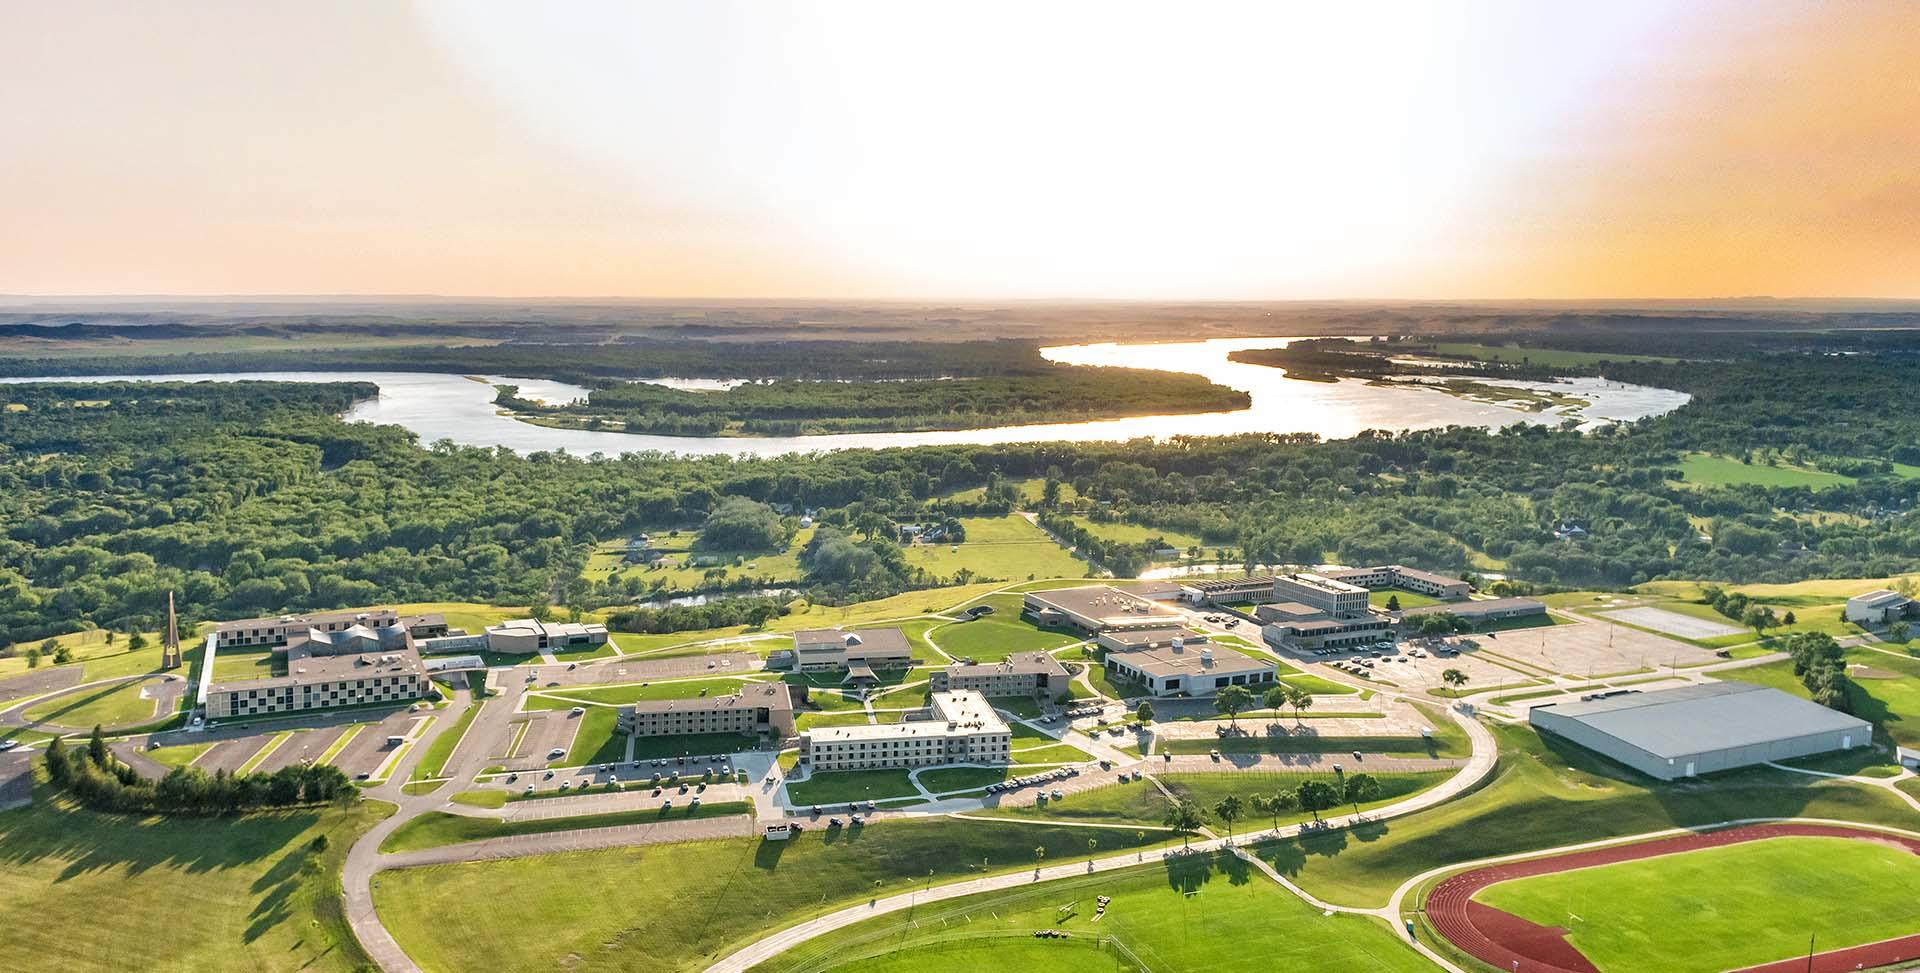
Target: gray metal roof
1698,719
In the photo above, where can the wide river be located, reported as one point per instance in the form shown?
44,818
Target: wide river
441,406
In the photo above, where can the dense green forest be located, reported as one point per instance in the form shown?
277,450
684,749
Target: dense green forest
249,498
793,408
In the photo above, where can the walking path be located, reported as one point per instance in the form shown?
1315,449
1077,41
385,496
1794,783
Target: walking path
1884,783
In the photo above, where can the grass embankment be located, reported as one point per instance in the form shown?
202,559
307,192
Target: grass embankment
436,828
434,762
1209,912
1142,803
1746,904
86,891
725,893
123,704
1547,793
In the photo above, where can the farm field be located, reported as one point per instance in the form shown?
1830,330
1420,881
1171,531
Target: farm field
1124,533
727,892
1007,548
1706,469
1234,919
1748,903
86,891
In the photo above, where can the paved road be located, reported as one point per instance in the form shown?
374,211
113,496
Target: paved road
1481,764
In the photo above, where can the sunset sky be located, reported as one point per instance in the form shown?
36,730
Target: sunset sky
924,149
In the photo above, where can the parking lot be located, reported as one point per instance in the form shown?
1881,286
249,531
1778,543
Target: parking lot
303,747
547,731
368,749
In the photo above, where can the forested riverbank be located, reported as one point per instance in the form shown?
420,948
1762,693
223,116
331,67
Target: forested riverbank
251,498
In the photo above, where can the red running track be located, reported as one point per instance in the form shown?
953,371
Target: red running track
1509,942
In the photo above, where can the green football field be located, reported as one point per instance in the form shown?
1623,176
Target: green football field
1725,908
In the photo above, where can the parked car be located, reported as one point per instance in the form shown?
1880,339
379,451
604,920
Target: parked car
556,753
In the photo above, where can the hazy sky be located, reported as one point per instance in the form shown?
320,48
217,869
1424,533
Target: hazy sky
922,149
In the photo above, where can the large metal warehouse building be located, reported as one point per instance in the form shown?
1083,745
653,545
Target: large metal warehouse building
1673,733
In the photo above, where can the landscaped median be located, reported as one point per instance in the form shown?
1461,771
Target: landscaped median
436,828
434,762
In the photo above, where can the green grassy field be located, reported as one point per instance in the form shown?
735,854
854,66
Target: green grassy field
597,741
102,659
945,779
1408,599
1746,904
568,910
82,891
685,569
1546,793
1008,548
1206,912
239,665
839,787
1136,534
118,705
178,756
434,829
1059,753
997,636
1705,469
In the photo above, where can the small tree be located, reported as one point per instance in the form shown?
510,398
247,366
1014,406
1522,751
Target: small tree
1316,796
1788,618
64,655
33,658
1144,712
1393,603
1231,700
1899,632
1275,698
1228,810
136,642
1361,789
1299,699
1184,817
1454,679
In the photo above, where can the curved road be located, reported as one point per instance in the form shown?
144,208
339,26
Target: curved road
1478,767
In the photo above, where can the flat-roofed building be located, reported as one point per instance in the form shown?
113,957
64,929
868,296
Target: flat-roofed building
835,650
273,632
1673,733
1427,583
1479,613
1097,608
526,636
328,669
1337,598
1878,607
1308,633
1220,591
958,726
758,708
1020,674
1171,661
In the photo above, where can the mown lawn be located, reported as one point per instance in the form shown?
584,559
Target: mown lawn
1006,548
997,636
441,749
118,705
435,828
1746,904
1706,469
566,909
1546,793
633,693
82,891
840,787
1208,912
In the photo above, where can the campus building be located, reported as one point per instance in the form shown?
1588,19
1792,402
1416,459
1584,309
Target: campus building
527,636
857,653
1097,608
1021,674
1291,625
1427,583
758,708
275,632
1171,661
1337,598
1226,591
350,666
957,727
1879,607
1673,733
1480,613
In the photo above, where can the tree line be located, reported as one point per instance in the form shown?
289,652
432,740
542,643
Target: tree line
94,777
